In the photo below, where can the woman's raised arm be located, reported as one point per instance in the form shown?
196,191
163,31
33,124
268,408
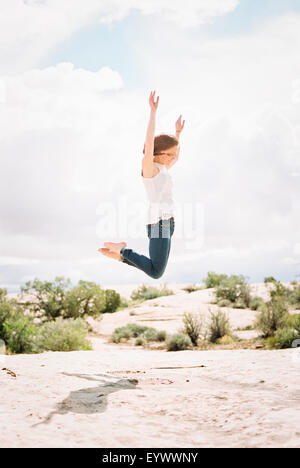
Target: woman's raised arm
148,165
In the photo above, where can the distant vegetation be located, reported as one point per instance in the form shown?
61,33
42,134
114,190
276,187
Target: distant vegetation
219,326
144,293
192,287
193,326
213,279
232,291
178,342
53,315
143,333
275,322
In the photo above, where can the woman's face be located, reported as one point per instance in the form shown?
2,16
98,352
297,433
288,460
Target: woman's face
166,156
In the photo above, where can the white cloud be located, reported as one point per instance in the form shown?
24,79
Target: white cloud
30,29
43,99
187,14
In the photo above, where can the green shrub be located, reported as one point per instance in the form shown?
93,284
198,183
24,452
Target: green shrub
225,340
3,294
224,303
9,308
256,303
63,335
154,335
280,291
123,303
136,330
113,300
149,292
178,342
161,335
293,321
193,326
19,332
132,330
48,297
233,289
273,316
270,279
85,299
219,326
6,311
191,288
283,338
139,341
213,279
56,299
239,304
121,334
294,298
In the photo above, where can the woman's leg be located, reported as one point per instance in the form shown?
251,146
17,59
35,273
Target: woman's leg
153,266
159,248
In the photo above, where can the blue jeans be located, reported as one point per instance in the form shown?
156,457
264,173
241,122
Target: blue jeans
160,235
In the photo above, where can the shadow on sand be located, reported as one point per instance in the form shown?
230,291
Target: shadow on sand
92,399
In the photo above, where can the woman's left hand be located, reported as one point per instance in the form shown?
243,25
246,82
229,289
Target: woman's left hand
178,125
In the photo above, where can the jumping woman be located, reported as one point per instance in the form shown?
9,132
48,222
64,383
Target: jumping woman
160,153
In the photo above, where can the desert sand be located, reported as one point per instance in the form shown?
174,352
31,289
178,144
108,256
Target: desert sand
120,395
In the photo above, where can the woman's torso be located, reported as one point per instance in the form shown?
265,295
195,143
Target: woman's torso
159,189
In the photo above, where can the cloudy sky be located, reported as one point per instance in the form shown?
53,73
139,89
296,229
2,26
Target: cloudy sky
75,78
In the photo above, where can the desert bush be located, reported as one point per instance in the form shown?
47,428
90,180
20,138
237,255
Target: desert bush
56,299
256,303
234,288
278,291
219,326
293,321
161,335
15,329
132,330
191,288
124,303
270,279
113,300
154,335
62,335
139,341
149,292
213,279
283,338
294,297
273,315
48,301
6,310
178,342
193,326
121,334
85,299
225,340
239,304
224,303
18,333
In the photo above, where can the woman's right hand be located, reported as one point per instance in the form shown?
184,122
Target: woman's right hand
153,104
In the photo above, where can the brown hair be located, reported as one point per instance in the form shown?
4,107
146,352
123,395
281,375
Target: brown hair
163,142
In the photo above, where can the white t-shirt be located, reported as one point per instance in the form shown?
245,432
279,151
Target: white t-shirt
160,195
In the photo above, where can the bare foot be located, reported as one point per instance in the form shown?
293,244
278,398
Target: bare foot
115,246
111,254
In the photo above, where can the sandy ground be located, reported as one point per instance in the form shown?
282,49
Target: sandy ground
126,396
